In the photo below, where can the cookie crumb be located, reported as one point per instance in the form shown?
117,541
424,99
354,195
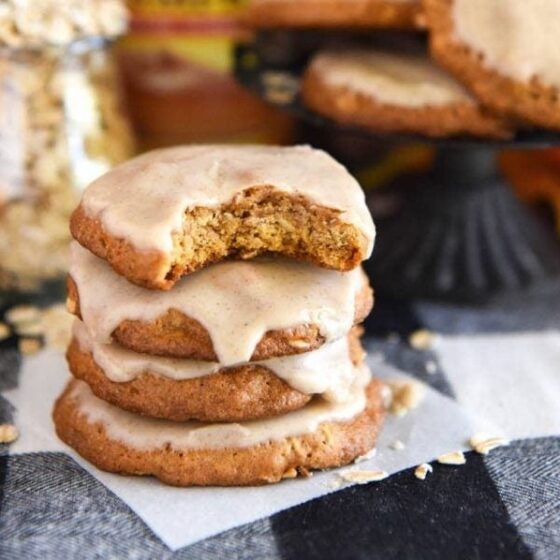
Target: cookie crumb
406,396
23,314
29,346
484,445
423,339
421,471
452,458
290,473
366,456
397,445
5,331
8,433
363,477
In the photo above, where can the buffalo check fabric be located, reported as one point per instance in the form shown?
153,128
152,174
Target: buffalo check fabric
501,362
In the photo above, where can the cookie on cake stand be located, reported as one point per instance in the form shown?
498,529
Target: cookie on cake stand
457,232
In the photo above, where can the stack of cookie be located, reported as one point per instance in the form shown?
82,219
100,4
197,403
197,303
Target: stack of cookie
218,295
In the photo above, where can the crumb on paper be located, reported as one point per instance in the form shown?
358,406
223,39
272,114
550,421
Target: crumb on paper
423,339
431,367
405,395
29,346
397,445
5,331
8,433
484,445
363,477
422,471
452,458
366,456
23,314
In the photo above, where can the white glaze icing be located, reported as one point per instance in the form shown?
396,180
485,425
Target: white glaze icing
144,199
394,79
518,38
147,433
236,301
327,371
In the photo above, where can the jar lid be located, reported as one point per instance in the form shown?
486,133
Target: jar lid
37,23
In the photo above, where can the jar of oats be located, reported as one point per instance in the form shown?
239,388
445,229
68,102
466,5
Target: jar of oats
61,126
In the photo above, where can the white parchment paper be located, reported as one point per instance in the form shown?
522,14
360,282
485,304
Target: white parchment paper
183,516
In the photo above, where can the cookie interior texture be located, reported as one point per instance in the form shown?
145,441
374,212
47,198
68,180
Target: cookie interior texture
179,336
258,221
334,13
331,445
531,101
234,394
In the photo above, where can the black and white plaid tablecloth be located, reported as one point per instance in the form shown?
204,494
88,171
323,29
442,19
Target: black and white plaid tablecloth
503,505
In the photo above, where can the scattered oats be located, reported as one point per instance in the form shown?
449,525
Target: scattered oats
406,395
452,458
431,367
484,445
369,455
8,433
23,314
4,331
57,326
397,445
29,329
29,346
421,471
363,477
423,339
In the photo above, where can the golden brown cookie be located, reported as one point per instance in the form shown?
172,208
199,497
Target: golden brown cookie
232,394
395,93
176,335
362,14
503,52
332,444
171,212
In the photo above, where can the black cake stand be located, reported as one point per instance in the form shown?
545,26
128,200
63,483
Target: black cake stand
456,232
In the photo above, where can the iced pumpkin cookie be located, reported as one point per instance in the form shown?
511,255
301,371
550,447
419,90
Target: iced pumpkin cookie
396,14
506,52
321,435
389,92
188,389
232,312
171,212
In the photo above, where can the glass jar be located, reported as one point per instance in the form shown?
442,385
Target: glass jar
61,126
